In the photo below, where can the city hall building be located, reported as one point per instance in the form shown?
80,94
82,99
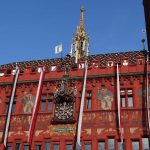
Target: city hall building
79,102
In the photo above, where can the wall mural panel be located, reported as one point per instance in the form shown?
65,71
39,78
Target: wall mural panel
106,98
28,103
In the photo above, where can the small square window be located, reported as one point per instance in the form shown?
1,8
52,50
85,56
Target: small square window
89,94
53,68
33,70
8,72
140,61
122,92
110,63
130,92
125,62
95,65
81,66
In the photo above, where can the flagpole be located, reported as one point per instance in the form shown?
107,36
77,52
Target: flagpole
119,106
10,107
79,127
36,106
147,91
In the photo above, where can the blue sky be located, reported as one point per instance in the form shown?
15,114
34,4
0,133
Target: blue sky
30,29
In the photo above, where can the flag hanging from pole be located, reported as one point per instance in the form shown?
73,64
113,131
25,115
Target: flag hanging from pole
58,48
119,105
147,91
82,106
36,106
10,106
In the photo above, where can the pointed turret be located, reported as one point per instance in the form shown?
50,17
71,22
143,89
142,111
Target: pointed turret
80,42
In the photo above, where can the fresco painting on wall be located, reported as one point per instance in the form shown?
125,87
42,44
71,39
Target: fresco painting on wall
28,103
106,98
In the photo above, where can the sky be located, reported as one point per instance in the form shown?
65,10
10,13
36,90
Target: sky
30,29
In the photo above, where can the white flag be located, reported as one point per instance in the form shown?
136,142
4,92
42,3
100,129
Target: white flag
118,95
35,109
82,106
119,105
10,106
58,48
147,90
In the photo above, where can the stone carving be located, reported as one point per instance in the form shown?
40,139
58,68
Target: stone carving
106,98
28,102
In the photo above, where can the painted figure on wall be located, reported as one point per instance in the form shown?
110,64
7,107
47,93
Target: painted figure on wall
28,103
106,98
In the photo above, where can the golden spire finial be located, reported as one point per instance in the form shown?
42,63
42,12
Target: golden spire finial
82,17
80,44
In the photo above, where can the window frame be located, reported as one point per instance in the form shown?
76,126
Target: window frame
125,97
134,140
142,142
101,140
17,142
87,143
69,143
26,144
55,143
111,137
37,144
88,101
48,141
47,100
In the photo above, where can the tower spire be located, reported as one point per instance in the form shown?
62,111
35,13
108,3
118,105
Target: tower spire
80,42
82,17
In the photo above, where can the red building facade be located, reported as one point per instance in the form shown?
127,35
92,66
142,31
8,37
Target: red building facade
59,101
